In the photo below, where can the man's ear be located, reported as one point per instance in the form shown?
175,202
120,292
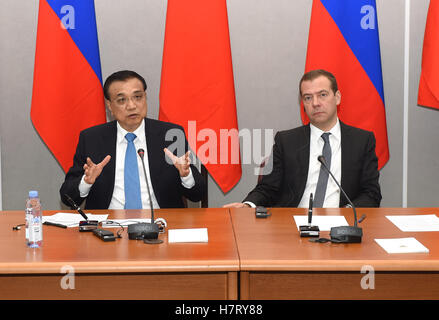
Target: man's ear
338,97
108,105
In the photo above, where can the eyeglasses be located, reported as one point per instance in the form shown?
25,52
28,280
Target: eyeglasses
321,96
137,98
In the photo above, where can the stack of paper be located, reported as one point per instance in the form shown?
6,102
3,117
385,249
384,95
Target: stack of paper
402,245
416,223
188,235
72,219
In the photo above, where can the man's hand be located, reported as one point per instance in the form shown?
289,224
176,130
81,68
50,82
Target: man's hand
181,163
92,170
236,205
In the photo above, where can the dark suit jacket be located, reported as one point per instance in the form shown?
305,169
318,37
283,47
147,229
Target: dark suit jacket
99,141
285,185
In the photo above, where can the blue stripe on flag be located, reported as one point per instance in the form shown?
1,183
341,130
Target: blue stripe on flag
80,19
358,22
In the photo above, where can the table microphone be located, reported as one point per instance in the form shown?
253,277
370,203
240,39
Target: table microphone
149,232
344,234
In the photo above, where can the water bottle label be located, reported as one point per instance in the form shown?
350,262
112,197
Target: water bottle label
35,232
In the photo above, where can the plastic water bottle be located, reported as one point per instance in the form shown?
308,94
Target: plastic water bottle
34,221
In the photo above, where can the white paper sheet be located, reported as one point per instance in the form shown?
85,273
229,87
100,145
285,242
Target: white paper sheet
188,235
325,223
72,219
402,245
416,223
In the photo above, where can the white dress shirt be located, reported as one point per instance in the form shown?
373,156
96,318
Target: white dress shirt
332,196
118,198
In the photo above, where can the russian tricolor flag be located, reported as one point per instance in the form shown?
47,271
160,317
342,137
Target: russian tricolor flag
344,40
67,90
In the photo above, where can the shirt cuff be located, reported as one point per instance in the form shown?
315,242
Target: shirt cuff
188,182
251,204
84,188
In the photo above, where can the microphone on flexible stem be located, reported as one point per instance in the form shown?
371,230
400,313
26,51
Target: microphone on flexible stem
149,232
141,154
344,234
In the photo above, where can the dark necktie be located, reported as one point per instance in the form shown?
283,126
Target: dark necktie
322,183
131,175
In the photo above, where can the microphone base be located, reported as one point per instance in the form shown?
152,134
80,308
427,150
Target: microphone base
346,234
141,231
88,225
309,231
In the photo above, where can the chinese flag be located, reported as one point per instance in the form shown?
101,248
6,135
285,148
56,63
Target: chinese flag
197,89
344,40
67,92
428,94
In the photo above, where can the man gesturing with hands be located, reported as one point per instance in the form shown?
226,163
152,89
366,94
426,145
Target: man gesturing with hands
108,173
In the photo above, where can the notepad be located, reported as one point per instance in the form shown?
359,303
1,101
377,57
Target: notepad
402,245
188,235
416,223
72,219
325,223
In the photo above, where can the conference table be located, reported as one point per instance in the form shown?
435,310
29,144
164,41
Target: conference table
78,265
245,258
276,263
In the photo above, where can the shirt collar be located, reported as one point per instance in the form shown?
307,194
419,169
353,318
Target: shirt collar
139,132
316,133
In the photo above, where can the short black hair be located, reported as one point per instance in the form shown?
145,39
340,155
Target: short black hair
122,76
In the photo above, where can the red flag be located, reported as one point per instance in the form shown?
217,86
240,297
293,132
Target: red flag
428,94
344,40
197,85
67,90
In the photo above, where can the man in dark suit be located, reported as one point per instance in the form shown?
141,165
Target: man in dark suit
99,175
295,172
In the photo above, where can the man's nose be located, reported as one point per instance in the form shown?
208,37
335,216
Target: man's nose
315,100
130,104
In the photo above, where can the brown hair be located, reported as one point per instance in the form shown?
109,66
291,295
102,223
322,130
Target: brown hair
314,74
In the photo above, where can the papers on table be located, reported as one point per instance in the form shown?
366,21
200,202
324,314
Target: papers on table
402,245
416,223
72,219
325,223
187,235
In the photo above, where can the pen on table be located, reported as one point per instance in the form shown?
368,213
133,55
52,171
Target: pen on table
47,223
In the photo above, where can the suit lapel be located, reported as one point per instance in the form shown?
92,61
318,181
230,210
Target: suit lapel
303,159
109,141
155,150
346,140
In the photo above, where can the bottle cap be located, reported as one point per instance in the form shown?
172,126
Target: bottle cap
33,194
